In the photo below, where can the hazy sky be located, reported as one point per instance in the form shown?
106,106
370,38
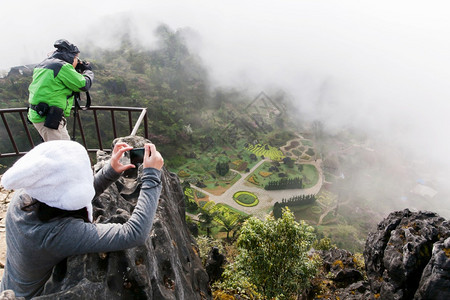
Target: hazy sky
381,65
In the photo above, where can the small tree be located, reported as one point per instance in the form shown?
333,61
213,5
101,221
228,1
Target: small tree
277,212
230,221
222,166
206,217
288,162
273,255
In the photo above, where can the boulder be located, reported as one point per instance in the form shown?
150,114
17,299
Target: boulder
435,280
340,277
407,257
340,265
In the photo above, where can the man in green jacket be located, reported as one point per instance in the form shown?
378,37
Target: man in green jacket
55,80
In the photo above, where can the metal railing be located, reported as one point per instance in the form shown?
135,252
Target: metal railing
33,139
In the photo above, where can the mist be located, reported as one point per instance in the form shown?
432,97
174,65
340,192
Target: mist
381,67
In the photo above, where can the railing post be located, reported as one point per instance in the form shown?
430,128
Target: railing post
24,122
113,123
10,134
146,127
138,122
97,129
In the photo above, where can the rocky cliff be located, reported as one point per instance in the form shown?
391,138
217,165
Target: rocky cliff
166,267
406,257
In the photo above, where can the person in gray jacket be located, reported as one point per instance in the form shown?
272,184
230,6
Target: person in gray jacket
50,215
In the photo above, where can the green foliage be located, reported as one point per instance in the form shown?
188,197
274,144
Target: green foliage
266,151
175,161
288,161
284,183
235,282
200,194
278,139
222,168
205,244
206,216
309,174
191,205
246,199
277,210
299,200
273,255
229,220
323,244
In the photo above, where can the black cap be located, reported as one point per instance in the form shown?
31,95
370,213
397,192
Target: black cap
64,46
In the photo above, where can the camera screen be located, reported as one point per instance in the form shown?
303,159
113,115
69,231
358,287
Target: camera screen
137,155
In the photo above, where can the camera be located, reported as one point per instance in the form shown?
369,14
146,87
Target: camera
136,158
82,66
137,155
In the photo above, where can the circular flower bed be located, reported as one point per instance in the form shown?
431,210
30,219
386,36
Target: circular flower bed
245,198
316,210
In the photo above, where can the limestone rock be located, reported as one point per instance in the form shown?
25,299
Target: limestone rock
339,278
435,280
407,257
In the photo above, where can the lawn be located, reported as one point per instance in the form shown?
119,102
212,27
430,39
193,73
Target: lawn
260,177
310,176
306,212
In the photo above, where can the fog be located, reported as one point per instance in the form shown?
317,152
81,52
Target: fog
379,66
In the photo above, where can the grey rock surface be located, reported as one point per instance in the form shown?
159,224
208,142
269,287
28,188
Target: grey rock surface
406,257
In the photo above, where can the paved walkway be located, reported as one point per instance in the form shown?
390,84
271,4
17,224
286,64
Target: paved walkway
266,198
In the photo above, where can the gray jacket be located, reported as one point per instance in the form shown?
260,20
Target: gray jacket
35,247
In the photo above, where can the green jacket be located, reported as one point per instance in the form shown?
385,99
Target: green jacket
54,82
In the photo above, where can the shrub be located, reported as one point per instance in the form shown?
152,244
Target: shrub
183,173
273,255
200,194
222,168
205,244
323,244
235,283
202,203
